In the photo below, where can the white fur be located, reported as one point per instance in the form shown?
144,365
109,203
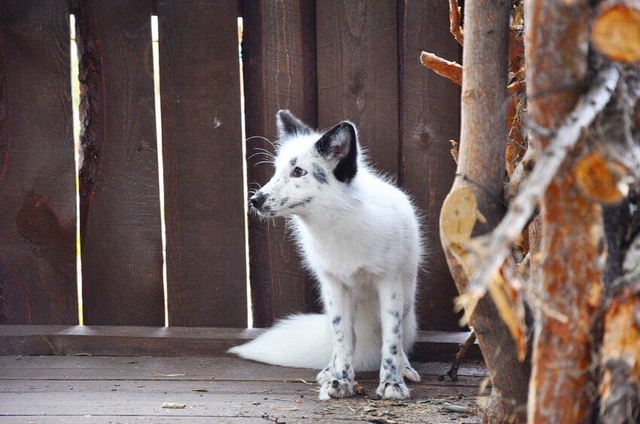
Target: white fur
361,240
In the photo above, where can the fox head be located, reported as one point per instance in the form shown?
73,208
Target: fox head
311,168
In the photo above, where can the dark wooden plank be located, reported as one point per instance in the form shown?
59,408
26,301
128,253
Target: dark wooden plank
279,60
430,107
202,145
120,213
358,73
37,189
172,341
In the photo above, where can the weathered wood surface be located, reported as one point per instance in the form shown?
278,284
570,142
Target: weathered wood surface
326,61
86,389
428,103
358,74
37,191
171,341
119,193
279,59
202,144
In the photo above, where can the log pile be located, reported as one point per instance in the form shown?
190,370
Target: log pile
542,225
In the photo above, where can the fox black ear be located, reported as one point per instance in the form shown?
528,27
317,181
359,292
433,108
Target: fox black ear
289,125
340,146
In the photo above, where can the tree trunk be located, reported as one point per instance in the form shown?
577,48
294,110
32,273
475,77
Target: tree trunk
562,381
474,204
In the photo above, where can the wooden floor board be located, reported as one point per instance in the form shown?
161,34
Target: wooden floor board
74,389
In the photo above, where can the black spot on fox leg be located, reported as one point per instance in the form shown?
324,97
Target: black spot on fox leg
319,174
336,320
393,350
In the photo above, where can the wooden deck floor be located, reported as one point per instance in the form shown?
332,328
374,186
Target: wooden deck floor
90,389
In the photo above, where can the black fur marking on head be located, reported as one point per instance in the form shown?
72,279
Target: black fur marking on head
303,202
319,174
289,125
293,161
340,144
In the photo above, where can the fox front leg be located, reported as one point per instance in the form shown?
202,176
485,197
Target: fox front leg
338,378
394,361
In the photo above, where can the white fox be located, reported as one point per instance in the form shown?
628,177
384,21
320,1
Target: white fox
360,237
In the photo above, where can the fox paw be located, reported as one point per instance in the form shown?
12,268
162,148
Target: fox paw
410,374
324,376
391,390
336,389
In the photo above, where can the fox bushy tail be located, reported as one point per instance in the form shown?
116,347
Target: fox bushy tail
304,341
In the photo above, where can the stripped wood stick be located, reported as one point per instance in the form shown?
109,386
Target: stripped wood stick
454,22
490,250
442,67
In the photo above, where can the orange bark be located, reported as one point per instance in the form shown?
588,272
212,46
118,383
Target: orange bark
572,234
616,30
620,384
442,67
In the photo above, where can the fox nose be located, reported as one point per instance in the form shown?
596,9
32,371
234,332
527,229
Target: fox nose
258,199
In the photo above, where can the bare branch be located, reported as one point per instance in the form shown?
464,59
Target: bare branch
454,22
442,67
489,251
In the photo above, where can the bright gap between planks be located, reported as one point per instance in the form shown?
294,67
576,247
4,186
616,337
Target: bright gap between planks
75,92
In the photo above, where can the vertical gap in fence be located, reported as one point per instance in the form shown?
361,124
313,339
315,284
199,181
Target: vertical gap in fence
155,39
245,190
75,102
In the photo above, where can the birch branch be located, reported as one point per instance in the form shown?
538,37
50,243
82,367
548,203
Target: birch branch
489,251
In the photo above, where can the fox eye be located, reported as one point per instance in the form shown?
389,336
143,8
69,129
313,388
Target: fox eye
298,172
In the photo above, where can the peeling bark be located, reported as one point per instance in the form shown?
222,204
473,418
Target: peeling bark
556,36
480,182
619,390
450,70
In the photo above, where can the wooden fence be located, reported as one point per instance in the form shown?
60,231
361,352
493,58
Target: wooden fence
326,60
